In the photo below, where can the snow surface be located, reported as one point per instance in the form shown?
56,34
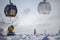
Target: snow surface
32,37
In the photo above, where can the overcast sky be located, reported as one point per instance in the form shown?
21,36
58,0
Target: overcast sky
28,17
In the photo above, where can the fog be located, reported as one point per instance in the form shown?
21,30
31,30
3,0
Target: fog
28,17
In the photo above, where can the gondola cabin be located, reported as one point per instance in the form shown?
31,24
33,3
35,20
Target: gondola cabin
10,10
